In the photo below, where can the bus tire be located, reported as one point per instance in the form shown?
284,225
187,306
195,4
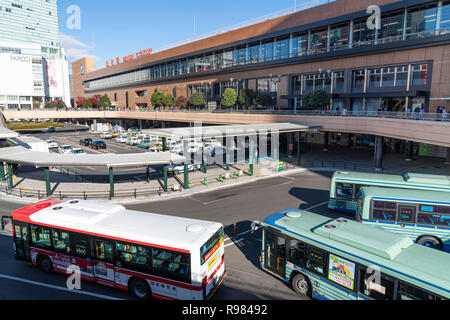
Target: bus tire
45,264
139,289
431,242
301,285
176,172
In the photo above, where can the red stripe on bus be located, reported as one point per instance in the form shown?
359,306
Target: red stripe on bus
215,272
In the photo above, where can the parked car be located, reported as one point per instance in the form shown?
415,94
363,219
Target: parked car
66,149
98,145
177,168
153,150
78,151
52,144
145,144
86,142
51,129
106,135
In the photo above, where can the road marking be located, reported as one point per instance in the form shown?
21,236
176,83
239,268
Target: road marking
41,284
248,231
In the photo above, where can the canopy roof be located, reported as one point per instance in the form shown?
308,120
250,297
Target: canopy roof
21,155
6,133
230,130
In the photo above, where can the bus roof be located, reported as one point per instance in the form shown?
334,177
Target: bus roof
115,221
369,245
390,180
406,195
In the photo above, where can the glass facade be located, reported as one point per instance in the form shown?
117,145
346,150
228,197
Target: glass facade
414,22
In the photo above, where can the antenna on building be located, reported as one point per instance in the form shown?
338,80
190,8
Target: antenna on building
195,31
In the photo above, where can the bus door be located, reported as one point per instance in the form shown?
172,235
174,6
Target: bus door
22,246
104,262
275,253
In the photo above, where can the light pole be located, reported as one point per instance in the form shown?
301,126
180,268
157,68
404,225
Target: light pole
276,81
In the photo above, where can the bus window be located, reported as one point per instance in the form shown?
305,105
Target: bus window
407,214
133,255
344,190
384,211
384,290
104,251
297,253
61,241
173,265
79,245
409,292
315,261
40,237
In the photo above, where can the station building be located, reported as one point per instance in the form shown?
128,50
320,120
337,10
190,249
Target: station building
402,63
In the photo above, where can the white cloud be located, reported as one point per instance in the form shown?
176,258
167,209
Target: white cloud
75,49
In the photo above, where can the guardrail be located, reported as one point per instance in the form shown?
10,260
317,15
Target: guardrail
324,113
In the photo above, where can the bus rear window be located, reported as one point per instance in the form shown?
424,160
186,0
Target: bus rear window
206,250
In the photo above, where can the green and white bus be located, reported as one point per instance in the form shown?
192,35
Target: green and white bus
423,216
345,186
340,259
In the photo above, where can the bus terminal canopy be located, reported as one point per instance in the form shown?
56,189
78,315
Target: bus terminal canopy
230,130
6,133
20,155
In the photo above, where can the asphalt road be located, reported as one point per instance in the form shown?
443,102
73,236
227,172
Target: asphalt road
240,205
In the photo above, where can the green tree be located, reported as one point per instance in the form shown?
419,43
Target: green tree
169,101
229,97
87,104
197,100
104,102
316,99
158,99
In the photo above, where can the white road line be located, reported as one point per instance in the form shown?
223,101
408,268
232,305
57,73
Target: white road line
41,284
248,231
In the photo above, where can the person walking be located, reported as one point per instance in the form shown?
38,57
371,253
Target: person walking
444,113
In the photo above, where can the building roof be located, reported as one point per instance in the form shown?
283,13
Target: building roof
21,155
230,130
116,221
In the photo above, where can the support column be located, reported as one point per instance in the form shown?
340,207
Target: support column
409,151
378,159
9,179
164,143
251,156
111,183
448,156
186,165
140,124
299,148
290,144
2,172
148,174
166,182
326,141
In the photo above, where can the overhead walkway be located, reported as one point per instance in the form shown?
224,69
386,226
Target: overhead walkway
421,131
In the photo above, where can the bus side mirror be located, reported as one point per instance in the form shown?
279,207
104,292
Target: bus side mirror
255,226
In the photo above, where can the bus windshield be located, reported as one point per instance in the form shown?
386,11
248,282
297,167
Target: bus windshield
211,246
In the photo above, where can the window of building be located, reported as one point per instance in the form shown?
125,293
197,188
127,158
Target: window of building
419,75
309,83
388,77
374,80
402,76
339,80
254,53
339,37
421,22
359,79
282,49
444,26
297,83
319,41
362,35
391,27
299,45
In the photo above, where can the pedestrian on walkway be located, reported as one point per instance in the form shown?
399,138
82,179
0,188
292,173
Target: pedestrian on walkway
444,113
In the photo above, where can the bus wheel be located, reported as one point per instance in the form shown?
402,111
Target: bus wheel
431,242
46,265
301,285
140,289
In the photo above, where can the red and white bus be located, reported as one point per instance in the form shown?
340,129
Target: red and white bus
149,255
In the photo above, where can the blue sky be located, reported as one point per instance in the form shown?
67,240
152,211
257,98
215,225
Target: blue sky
112,29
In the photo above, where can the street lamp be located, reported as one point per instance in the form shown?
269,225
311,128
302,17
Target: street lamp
276,81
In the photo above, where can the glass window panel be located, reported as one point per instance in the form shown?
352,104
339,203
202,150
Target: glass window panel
362,35
104,250
374,78
419,75
40,237
388,77
300,45
402,76
421,22
391,27
254,53
358,78
61,241
445,18
339,37
344,190
383,214
282,49
319,41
